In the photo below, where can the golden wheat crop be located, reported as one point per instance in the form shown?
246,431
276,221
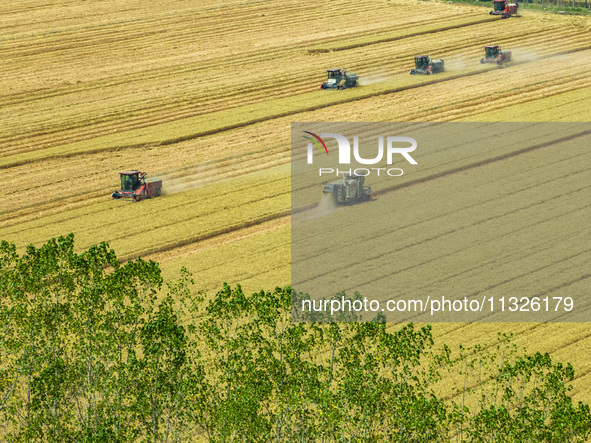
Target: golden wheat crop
204,95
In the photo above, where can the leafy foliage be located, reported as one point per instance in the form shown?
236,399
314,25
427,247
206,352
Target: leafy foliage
94,350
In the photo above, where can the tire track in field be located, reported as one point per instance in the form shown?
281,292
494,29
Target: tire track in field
191,248
264,92
463,168
277,114
549,244
455,231
209,236
205,174
192,113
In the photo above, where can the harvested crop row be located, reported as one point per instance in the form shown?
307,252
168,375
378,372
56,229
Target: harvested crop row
116,113
56,186
498,237
142,80
190,217
569,106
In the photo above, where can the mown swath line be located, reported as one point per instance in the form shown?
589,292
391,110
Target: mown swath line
504,99
344,47
463,168
156,106
202,237
227,127
437,237
484,162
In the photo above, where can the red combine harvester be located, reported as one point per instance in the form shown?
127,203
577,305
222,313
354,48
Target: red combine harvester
504,8
135,186
493,54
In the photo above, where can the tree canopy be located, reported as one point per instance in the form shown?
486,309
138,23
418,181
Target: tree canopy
93,350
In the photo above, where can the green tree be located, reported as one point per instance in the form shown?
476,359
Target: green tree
94,350
73,326
509,395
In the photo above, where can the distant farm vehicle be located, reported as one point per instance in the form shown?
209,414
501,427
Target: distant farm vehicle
349,189
504,8
340,79
425,66
135,186
494,54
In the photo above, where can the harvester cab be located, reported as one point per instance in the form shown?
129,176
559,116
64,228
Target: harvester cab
494,54
135,186
340,79
349,189
425,66
504,8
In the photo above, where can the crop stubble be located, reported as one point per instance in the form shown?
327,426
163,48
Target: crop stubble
76,74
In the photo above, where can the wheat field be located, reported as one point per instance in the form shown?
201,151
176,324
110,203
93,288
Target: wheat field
203,96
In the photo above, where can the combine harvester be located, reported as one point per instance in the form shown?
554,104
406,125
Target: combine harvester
348,190
494,54
340,79
504,8
135,186
425,66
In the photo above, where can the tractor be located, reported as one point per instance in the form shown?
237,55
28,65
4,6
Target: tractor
424,65
340,79
504,8
348,190
135,186
494,54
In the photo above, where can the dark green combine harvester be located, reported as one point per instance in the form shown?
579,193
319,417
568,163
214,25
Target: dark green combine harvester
340,79
425,66
348,190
